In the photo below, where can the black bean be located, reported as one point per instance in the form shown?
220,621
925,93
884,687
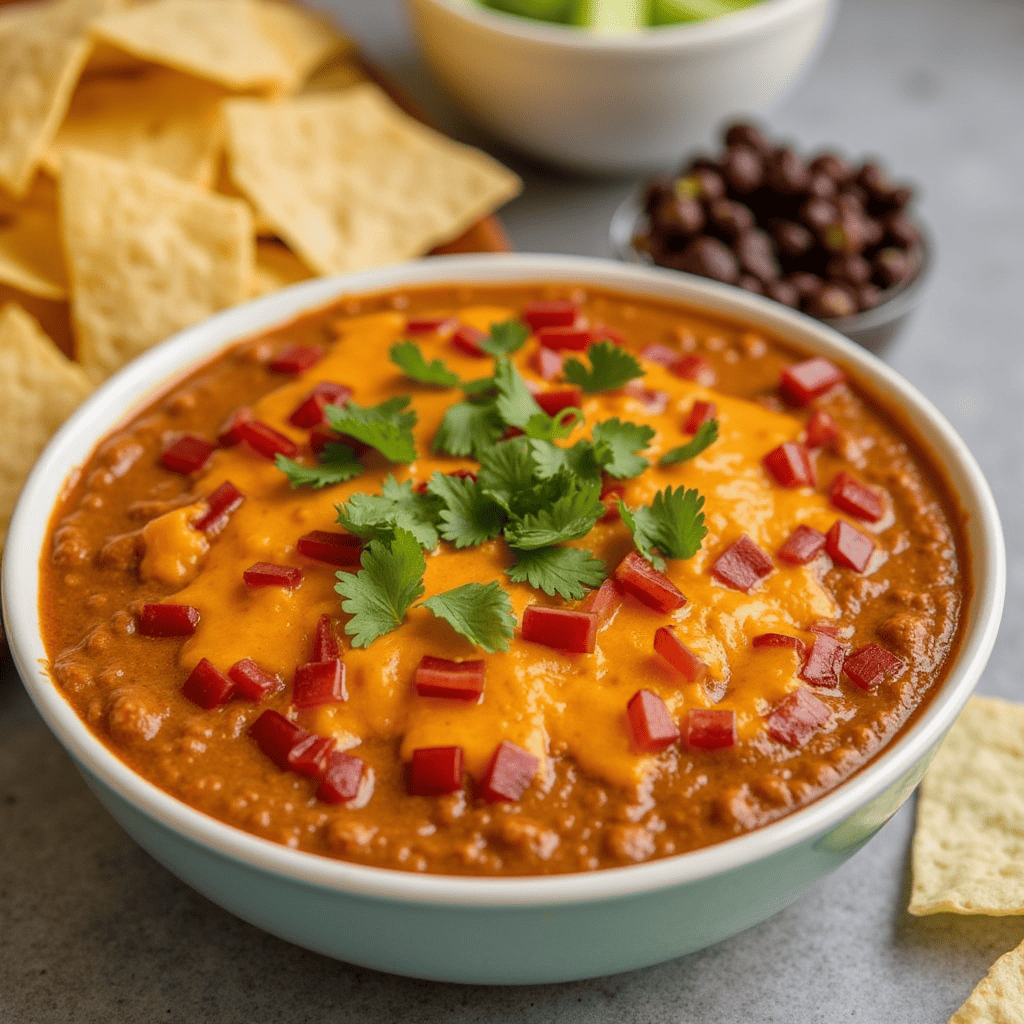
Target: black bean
848,236
834,166
900,230
818,215
743,169
756,253
822,186
729,218
830,301
751,284
786,172
679,215
868,295
804,282
708,257
852,269
792,240
890,267
746,133
783,291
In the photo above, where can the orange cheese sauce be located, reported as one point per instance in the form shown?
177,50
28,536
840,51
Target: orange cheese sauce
548,702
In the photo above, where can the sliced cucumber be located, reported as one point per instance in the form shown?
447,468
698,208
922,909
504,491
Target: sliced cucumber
611,15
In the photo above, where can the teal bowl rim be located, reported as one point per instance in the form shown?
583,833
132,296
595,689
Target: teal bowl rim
130,389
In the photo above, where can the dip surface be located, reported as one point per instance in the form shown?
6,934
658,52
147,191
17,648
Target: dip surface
126,535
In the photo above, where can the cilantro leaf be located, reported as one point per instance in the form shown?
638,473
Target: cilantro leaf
610,368
507,471
706,435
408,358
570,517
378,596
567,572
337,463
553,428
469,516
578,461
466,426
397,508
673,524
618,444
505,338
480,612
384,427
514,403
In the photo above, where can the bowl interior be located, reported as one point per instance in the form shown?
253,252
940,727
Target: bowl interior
130,388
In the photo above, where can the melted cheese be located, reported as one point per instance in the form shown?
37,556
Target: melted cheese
541,699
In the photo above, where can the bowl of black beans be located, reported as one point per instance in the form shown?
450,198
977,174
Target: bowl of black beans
821,234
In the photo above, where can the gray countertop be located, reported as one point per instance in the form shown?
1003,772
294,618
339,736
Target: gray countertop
92,929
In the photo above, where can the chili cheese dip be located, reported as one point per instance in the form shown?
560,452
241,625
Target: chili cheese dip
504,581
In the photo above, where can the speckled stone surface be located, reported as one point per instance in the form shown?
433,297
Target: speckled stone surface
91,929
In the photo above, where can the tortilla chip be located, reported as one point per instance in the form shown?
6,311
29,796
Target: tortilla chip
999,996
31,259
968,855
305,39
40,61
219,40
336,75
147,256
39,389
53,316
158,117
276,267
351,182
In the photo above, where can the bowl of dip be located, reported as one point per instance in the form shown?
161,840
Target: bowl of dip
656,754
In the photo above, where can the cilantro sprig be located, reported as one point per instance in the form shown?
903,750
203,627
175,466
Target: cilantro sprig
482,613
671,526
566,572
336,464
505,337
610,369
408,357
386,427
707,434
397,508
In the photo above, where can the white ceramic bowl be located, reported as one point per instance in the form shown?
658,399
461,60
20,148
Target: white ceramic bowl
507,930
616,103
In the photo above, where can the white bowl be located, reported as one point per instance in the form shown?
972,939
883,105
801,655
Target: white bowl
616,103
507,930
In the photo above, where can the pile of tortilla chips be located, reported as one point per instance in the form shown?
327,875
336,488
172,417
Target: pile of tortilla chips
161,160
968,853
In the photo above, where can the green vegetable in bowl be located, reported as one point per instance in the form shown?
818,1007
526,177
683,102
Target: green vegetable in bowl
617,15
671,12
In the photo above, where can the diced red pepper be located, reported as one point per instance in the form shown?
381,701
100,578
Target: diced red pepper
828,628
457,680
508,774
700,413
777,640
821,429
550,313
309,757
660,354
602,332
695,368
603,601
650,723
319,682
553,402
641,580
797,717
435,771
188,454
561,628
547,363
340,549
848,547
322,435
742,565
266,574
467,340
228,436
791,465
220,503
429,324
710,728
277,736
342,777
252,682
612,491
849,495
325,641
266,441
207,686
560,339
655,401
310,411
679,656
296,359
869,665
803,544
167,620
801,383
824,661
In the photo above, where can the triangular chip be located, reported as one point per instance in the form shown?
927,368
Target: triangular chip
147,256
351,182
338,74
276,267
305,39
999,997
39,389
31,259
40,60
220,40
158,117
968,855
53,316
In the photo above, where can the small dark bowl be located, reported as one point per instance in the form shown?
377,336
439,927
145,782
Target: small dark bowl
875,329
